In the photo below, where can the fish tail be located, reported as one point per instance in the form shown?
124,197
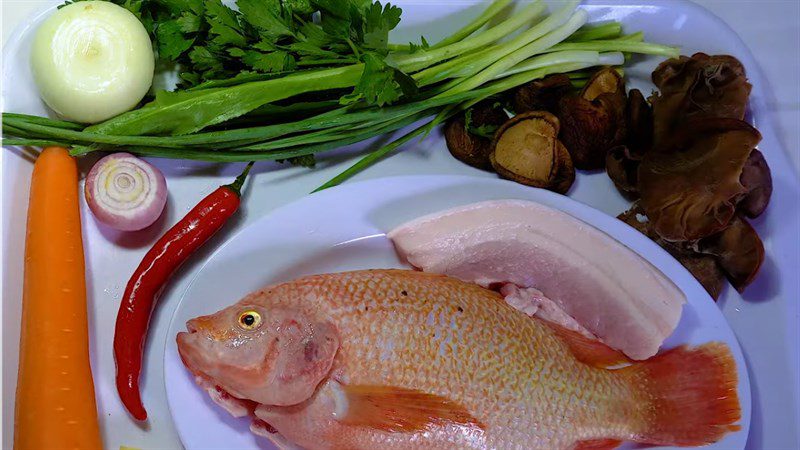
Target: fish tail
691,394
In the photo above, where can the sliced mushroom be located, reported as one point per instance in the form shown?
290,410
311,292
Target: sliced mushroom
704,268
542,95
757,181
469,135
690,191
595,121
526,150
739,252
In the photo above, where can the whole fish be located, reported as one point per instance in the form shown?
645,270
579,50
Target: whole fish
397,359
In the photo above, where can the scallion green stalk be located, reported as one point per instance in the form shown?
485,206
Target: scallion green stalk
488,14
413,62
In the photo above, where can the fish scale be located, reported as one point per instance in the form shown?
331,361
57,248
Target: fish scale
496,377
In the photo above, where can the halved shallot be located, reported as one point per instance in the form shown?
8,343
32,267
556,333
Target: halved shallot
125,192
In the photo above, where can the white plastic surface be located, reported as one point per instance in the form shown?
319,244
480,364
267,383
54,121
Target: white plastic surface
343,229
765,318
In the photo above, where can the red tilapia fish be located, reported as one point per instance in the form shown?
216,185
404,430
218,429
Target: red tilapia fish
397,359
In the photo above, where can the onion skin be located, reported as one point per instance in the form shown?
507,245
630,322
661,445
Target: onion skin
125,192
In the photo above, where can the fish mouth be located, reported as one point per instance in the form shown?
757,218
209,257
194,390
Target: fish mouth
190,327
188,351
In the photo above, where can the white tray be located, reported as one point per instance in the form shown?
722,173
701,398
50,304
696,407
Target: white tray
765,320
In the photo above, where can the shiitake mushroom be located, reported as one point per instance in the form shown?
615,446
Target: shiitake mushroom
622,166
622,161
738,250
542,95
638,124
526,149
469,135
466,147
757,182
594,122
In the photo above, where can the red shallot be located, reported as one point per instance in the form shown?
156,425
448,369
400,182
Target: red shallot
125,192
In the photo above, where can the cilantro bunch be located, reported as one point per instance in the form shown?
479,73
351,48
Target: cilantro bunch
208,41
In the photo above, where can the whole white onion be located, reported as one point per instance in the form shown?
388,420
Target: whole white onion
125,192
92,60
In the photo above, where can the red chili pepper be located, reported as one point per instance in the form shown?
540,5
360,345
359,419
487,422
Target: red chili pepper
147,282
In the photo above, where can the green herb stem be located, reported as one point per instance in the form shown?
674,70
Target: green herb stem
608,30
417,61
471,64
495,8
525,52
619,45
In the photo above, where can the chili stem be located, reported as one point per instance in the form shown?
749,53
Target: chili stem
237,184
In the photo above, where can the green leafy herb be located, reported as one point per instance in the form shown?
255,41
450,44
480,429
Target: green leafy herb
380,83
268,16
171,40
377,24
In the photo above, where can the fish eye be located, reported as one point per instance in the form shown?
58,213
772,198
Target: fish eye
249,320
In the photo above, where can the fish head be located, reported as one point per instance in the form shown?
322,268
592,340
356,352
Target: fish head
271,355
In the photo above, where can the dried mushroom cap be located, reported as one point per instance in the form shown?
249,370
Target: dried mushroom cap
594,122
622,167
699,87
526,150
588,131
473,148
465,147
739,252
638,123
690,191
704,268
565,170
543,94
622,161
757,181
487,114
605,81
526,147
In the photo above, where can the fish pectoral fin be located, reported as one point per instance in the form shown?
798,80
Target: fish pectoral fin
398,409
589,351
597,444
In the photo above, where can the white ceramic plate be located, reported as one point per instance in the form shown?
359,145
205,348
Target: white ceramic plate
343,229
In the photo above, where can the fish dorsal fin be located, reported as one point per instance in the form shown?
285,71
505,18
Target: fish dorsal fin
398,409
597,444
589,351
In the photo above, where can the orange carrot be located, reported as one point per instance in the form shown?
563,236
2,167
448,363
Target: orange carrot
55,406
